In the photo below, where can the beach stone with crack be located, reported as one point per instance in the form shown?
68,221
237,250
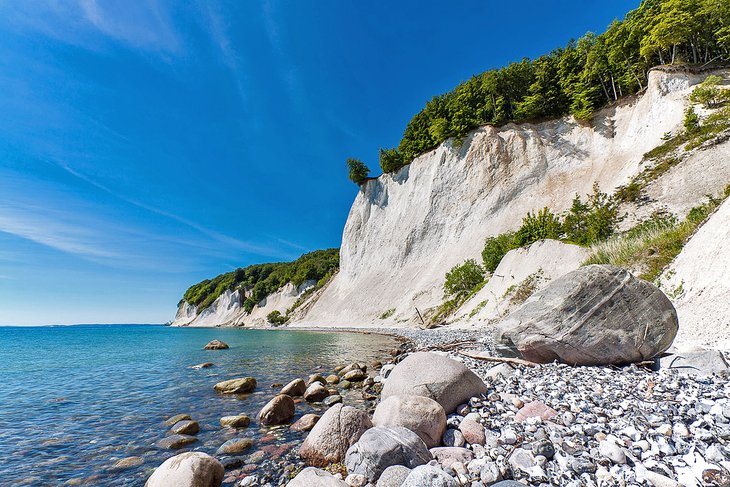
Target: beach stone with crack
234,445
305,423
393,476
422,415
429,476
216,345
294,388
441,378
338,429
177,418
316,392
236,386
279,410
314,477
173,442
380,447
191,469
238,421
595,315
186,427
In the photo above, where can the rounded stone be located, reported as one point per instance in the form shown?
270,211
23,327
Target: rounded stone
241,385
239,421
422,415
234,445
173,442
294,388
191,469
186,427
305,423
216,345
279,410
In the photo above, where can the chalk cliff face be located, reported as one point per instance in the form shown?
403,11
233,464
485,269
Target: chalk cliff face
406,230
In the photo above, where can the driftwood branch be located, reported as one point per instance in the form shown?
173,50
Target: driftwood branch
505,360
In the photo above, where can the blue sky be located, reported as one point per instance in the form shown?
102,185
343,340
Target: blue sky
147,145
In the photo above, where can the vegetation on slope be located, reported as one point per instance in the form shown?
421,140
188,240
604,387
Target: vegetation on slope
577,79
257,281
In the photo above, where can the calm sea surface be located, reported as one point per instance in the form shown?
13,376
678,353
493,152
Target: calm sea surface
74,400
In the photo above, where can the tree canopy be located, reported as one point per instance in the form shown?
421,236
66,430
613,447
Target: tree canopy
577,79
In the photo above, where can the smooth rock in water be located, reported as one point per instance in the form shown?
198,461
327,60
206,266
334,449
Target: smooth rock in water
314,477
453,437
316,392
332,400
316,378
351,367
333,379
186,427
277,411
338,429
239,421
595,315
236,386
422,415
177,418
429,476
216,345
441,378
703,362
612,451
191,469
346,384
473,431
448,455
234,445
173,442
380,447
393,476
202,366
535,409
128,462
294,388
305,423
355,375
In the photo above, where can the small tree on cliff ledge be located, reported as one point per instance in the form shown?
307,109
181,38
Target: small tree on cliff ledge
358,171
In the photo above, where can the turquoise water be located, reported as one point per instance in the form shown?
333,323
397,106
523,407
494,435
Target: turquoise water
74,400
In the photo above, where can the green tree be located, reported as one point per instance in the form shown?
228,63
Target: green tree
708,93
542,225
462,279
495,249
691,120
390,160
358,171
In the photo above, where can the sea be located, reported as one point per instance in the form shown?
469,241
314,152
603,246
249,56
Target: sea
76,399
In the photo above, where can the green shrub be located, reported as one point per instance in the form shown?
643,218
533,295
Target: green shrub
387,314
538,226
462,279
276,318
587,223
708,93
691,120
495,249
390,160
357,171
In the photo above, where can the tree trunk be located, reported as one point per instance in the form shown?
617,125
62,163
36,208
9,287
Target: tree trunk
613,85
661,58
605,91
674,52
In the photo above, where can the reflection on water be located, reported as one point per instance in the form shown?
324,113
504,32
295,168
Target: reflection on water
74,400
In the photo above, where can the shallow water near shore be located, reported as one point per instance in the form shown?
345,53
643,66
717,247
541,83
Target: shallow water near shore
74,400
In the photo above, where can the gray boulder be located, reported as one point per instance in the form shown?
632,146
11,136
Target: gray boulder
595,315
338,429
314,477
279,410
441,378
191,469
429,476
380,447
393,476
422,415
698,362
216,345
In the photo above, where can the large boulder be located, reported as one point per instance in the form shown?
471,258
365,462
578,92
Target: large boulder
216,345
338,429
314,477
236,386
441,378
595,315
380,447
191,469
422,415
277,411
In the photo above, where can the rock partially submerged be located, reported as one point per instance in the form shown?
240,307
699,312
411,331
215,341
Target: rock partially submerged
216,345
314,477
237,421
595,315
236,386
191,469
174,442
294,388
277,411
338,428
440,378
